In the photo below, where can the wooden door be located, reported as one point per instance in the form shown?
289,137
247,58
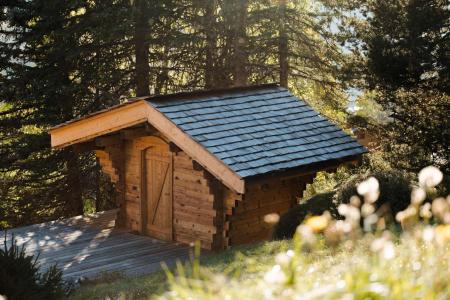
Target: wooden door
157,188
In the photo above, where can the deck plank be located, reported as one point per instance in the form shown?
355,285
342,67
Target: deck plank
89,245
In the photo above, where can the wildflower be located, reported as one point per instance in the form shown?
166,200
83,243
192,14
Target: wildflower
418,195
334,233
355,201
283,259
388,251
318,223
370,189
350,213
425,211
381,224
271,219
383,246
428,234
367,209
430,177
369,221
275,275
440,208
408,217
379,289
442,233
306,234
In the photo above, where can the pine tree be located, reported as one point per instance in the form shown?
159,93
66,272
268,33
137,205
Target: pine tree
405,62
61,64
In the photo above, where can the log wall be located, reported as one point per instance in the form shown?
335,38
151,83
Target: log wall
263,197
194,213
203,208
196,194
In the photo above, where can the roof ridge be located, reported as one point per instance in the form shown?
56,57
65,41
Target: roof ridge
202,92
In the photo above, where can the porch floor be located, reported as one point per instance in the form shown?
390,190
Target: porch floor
87,246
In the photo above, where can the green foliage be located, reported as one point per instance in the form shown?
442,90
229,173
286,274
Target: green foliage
316,205
395,194
64,59
402,58
325,182
20,277
395,189
56,65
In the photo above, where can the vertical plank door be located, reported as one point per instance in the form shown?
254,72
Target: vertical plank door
158,192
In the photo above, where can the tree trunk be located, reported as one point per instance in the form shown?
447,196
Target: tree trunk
141,44
240,58
211,40
283,51
74,193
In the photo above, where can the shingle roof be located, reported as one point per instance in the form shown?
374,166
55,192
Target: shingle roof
260,130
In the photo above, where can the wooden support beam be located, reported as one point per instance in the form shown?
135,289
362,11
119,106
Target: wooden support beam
84,147
109,140
133,133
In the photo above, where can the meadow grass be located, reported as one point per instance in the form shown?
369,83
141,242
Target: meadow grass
326,259
238,262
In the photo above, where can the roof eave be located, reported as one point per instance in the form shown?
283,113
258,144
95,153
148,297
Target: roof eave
141,111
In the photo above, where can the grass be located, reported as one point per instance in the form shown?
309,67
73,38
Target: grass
326,259
405,267
417,268
239,262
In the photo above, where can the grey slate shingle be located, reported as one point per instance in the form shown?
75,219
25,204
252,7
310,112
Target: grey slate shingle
258,131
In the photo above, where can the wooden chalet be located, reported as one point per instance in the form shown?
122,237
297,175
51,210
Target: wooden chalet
210,165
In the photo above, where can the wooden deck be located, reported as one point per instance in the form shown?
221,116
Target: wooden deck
87,246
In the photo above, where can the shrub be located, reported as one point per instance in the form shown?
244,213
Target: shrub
288,223
20,277
395,194
395,189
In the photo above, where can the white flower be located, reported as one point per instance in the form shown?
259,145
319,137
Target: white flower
367,209
275,275
272,218
370,189
430,177
425,211
343,226
342,209
418,195
428,234
369,221
379,289
383,246
307,234
341,284
440,208
377,245
388,251
283,259
350,212
355,201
